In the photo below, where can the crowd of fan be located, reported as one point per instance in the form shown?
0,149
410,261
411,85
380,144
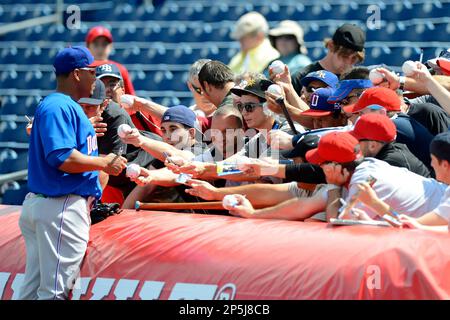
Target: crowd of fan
329,142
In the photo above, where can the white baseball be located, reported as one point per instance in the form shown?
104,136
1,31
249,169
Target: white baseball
133,171
375,77
230,201
275,89
409,67
127,100
123,130
277,67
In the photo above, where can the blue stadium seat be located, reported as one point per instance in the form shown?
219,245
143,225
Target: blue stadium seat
15,195
12,161
179,80
14,105
140,80
10,55
439,32
12,79
13,132
387,32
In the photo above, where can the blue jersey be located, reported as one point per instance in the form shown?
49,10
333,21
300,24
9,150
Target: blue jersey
59,126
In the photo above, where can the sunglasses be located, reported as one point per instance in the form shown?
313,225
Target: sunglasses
311,89
346,101
249,107
90,70
197,89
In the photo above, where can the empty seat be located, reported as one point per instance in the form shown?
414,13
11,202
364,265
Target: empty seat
13,132
14,194
12,161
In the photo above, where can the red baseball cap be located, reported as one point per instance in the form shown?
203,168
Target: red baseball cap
96,32
373,126
384,97
336,146
444,64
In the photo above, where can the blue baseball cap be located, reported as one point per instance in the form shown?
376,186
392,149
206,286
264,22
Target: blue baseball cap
71,58
108,70
346,86
326,77
180,114
320,106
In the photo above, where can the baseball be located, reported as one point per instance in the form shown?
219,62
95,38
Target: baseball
133,171
123,130
375,77
409,67
229,201
277,67
275,89
127,100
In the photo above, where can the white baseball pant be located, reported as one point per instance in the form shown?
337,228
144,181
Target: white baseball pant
56,232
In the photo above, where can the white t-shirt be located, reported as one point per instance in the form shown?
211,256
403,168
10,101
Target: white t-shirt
444,207
405,191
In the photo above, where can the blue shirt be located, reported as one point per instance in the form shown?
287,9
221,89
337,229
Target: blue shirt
59,126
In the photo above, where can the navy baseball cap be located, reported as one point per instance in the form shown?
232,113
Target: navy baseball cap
108,70
346,86
180,114
440,146
320,106
97,97
327,77
71,58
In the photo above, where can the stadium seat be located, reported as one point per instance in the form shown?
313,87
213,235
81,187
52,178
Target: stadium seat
13,132
11,161
15,194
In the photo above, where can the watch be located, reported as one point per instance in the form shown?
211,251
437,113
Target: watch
401,82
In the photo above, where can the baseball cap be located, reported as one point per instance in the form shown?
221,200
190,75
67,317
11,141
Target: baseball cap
443,55
384,97
320,106
71,58
180,114
305,143
373,126
289,27
327,77
440,146
255,87
350,36
337,146
444,64
98,31
344,88
108,70
249,23
97,97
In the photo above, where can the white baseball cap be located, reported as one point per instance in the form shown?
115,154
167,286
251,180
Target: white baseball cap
248,23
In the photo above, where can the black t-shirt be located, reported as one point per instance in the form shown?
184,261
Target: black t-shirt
398,155
298,76
114,116
305,172
431,116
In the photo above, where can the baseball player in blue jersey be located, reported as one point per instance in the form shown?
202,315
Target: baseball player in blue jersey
63,181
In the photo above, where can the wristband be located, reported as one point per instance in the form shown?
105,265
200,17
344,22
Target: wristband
401,82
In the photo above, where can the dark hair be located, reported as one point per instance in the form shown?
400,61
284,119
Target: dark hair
356,73
351,166
215,73
63,76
